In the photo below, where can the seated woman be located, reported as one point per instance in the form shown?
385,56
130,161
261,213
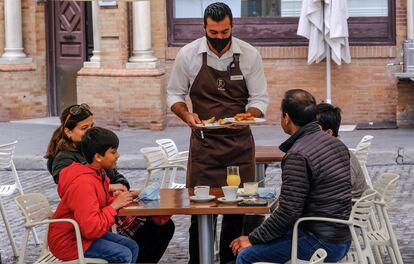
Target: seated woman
153,234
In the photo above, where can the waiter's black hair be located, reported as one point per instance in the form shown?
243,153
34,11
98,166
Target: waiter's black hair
217,11
97,140
329,117
300,105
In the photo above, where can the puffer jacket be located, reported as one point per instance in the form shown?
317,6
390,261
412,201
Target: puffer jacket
316,181
64,158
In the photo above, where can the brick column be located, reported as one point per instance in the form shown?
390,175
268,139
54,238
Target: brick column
95,61
13,34
142,55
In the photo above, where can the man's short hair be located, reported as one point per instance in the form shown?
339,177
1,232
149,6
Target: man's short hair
217,12
329,117
300,105
98,140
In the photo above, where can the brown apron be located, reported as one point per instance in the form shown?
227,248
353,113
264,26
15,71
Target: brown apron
220,94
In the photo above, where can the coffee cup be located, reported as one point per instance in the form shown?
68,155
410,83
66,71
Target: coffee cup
250,188
230,192
202,192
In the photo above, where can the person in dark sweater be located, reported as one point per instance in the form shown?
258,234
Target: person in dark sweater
316,182
329,118
152,234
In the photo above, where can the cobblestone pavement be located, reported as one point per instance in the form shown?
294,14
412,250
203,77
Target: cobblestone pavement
40,181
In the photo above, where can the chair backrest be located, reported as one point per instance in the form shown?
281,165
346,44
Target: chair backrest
34,206
385,186
169,146
6,154
362,149
154,156
362,208
318,257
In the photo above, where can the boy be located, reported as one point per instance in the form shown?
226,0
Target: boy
86,198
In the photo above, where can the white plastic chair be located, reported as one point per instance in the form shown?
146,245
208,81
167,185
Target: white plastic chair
317,258
36,210
385,236
6,162
156,161
359,217
171,150
361,152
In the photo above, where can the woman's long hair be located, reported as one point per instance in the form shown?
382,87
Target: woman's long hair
59,140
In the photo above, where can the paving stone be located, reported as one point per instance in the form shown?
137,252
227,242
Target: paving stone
177,251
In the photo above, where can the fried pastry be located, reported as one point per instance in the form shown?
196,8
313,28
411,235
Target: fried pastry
209,121
245,117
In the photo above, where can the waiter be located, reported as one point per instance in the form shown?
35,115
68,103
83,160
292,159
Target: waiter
223,76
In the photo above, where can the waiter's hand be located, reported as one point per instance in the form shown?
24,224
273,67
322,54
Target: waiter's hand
255,112
191,119
239,244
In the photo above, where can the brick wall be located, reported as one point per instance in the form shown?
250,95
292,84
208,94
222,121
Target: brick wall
405,108
124,98
23,87
365,90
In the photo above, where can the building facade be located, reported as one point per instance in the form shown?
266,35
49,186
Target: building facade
117,55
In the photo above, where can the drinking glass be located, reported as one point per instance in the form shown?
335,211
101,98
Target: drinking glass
233,176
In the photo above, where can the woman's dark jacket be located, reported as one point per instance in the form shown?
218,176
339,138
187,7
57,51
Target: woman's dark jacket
316,182
65,158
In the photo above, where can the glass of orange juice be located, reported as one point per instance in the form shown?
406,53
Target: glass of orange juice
233,176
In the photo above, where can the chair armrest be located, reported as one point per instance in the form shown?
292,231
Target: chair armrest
381,203
166,166
77,232
294,253
183,153
177,159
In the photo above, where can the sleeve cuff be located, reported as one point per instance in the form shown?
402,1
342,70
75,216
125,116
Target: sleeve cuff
111,210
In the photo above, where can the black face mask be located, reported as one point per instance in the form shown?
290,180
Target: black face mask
218,44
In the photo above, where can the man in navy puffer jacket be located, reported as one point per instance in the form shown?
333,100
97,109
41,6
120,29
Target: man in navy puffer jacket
316,182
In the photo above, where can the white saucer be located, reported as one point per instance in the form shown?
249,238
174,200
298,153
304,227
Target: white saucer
202,200
223,200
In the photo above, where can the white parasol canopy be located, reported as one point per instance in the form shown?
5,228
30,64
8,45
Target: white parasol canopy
324,23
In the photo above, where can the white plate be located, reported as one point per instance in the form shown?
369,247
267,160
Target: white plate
240,192
256,121
223,200
202,200
214,125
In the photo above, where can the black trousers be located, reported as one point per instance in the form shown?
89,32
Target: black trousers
153,240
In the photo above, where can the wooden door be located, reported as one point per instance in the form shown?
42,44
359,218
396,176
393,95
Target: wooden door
66,51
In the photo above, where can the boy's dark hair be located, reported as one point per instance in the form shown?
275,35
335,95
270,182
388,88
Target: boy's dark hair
98,140
329,117
300,105
217,12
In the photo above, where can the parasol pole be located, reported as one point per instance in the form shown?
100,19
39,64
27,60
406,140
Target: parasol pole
328,75
328,60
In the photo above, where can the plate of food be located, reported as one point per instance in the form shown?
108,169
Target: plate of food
245,119
212,123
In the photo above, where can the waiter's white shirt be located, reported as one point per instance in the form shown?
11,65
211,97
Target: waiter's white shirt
190,59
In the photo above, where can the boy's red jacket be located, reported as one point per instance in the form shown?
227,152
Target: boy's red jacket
84,197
